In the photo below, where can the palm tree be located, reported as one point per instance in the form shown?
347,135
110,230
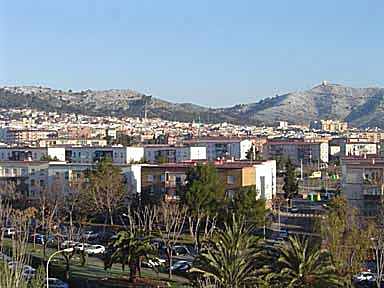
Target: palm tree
229,260
129,248
302,266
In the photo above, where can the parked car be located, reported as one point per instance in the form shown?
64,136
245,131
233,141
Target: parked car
90,234
42,239
5,258
8,231
294,210
82,246
283,234
181,250
155,262
365,276
57,283
95,249
181,266
26,271
68,244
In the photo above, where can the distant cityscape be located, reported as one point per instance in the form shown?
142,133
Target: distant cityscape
155,166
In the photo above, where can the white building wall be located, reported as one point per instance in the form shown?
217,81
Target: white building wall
244,146
198,153
58,152
134,154
324,152
132,175
266,179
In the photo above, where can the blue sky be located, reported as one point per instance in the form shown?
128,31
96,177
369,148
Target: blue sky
215,53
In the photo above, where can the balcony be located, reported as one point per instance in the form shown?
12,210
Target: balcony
372,190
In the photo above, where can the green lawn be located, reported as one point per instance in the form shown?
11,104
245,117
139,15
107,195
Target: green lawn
92,274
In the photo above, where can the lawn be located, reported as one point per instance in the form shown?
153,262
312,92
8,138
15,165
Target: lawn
92,274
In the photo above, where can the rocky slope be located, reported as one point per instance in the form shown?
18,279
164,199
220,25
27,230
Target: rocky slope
362,107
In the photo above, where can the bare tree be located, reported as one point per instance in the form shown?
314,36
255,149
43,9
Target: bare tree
172,218
20,219
107,188
49,201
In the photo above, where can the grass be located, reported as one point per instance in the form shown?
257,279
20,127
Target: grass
92,274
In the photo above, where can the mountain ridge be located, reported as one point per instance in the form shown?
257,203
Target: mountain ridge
362,107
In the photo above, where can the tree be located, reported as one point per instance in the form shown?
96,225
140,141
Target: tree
49,201
128,248
291,185
252,154
204,192
161,159
245,203
303,266
172,218
231,257
107,188
40,279
342,237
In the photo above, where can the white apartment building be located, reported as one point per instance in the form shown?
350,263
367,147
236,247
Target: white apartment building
62,173
297,151
223,148
351,148
32,154
172,154
118,154
362,183
28,177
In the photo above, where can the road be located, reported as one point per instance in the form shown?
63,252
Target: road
302,222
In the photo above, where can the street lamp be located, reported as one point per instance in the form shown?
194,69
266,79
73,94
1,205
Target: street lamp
68,250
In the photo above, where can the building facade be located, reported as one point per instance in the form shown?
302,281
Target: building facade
362,183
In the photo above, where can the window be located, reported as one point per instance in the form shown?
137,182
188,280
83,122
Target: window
231,179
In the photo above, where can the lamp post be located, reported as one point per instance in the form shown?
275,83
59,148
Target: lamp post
69,250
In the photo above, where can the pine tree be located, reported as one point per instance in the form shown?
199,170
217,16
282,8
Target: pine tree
291,185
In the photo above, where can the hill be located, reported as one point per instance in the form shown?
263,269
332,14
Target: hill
362,107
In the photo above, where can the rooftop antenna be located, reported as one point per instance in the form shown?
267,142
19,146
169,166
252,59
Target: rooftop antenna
145,107
198,128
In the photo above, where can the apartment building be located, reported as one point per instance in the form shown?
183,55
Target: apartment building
63,173
118,154
223,148
172,154
28,177
71,142
362,183
166,179
32,153
25,136
297,150
329,125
